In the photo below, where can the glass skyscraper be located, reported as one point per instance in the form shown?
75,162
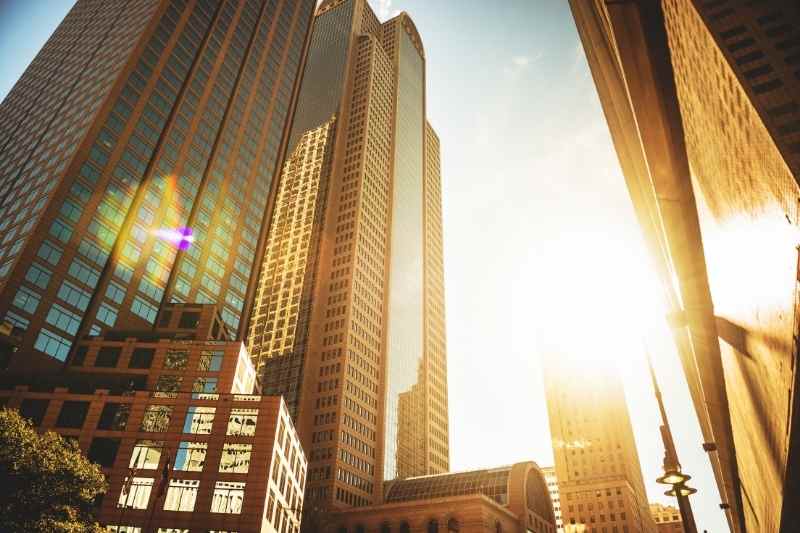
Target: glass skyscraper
348,322
137,155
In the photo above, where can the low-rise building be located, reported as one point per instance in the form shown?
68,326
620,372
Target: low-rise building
510,499
667,518
172,416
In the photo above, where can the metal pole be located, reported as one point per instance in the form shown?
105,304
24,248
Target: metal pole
687,516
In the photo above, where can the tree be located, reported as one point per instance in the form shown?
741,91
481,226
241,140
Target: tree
46,483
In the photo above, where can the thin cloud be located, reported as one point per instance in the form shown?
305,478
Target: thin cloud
519,64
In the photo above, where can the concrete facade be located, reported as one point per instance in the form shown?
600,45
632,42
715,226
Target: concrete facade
667,518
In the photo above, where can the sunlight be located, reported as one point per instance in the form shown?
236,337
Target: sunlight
596,297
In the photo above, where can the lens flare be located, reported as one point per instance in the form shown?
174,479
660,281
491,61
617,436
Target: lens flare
181,237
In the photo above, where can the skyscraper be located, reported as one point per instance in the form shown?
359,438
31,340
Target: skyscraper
701,98
348,322
597,466
137,155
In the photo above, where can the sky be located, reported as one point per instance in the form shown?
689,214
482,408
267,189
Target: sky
541,245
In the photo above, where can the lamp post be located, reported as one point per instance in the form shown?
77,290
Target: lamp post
672,467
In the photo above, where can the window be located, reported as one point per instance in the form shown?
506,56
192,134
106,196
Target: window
135,492
156,418
176,359
228,497
181,495
74,296
210,361
242,422
52,344
433,526
114,416
171,530
205,388
107,315
144,309
63,319
199,420
107,357
34,410
38,275
26,299
191,456
103,451
141,358
123,529
72,415
146,454
189,320
453,526
235,458
167,386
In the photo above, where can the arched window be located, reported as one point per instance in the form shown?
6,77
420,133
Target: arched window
433,526
452,526
405,528
386,528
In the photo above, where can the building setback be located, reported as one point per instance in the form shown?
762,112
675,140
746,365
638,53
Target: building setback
137,155
600,484
701,98
171,416
348,322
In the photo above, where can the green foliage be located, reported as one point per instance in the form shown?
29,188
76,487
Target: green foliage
46,484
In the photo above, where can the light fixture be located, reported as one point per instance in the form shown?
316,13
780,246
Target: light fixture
680,490
673,476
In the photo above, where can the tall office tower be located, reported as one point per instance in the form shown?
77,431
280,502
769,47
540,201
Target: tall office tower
348,322
597,466
136,159
701,98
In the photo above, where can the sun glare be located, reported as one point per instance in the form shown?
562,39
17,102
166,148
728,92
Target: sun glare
596,297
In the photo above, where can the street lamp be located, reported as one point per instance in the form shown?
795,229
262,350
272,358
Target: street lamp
672,467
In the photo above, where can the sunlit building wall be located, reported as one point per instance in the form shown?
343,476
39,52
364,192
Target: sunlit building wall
549,473
348,323
667,518
600,480
136,161
702,102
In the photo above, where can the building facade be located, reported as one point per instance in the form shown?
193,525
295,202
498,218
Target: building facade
701,100
600,484
172,418
348,322
549,473
137,155
667,518
511,499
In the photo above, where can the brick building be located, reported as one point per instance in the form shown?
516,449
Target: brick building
171,416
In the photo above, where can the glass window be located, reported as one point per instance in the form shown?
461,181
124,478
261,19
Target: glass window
52,344
210,361
144,309
103,451
228,497
189,320
141,358
235,458
146,454
156,418
107,357
168,386
38,275
26,299
135,492
107,315
63,319
199,420
205,388
123,529
34,410
114,416
176,359
74,296
242,422
115,292
191,456
181,495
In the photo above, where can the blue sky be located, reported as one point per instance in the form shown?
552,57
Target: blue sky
540,239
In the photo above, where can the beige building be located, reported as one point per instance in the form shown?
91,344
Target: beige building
510,499
701,98
549,473
348,322
600,484
667,518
